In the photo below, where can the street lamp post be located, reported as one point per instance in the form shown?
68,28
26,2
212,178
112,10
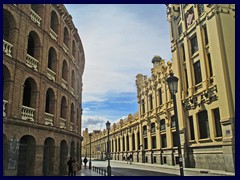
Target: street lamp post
108,149
173,86
90,163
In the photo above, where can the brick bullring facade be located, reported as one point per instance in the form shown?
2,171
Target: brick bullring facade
43,64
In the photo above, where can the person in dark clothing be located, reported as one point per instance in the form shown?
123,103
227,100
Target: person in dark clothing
85,161
70,168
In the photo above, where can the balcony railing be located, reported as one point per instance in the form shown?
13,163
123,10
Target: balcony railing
7,48
53,35
64,84
74,60
31,62
65,48
4,107
51,74
36,18
71,126
49,119
62,123
28,113
72,91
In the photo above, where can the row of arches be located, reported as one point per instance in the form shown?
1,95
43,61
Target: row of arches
30,97
34,43
29,158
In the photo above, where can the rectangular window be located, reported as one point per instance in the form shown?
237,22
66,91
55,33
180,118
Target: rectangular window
175,139
194,44
154,143
138,140
205,35
152,127
123,141
218,127
154,159
127,137
143,106
145,143
133,141
160,96
203,124
197,72
173,122
183,53
191,128
164,160
164,140
162,125
210,65
145,130
119,145
151,101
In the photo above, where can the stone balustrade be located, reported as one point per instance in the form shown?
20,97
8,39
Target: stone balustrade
62,123
65,48
71,126
72,91
64,84
31,62
49,119
36,18
4,107
28,113
7,48
51,74
53,35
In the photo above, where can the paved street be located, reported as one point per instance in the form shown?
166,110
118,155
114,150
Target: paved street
121,168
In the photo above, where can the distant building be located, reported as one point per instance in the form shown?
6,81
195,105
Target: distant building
203,58
43,64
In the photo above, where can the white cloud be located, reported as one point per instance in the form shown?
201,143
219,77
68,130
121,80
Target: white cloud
118,45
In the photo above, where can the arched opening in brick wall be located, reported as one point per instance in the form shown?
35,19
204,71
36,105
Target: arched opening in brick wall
65,70
63,113
48,157
54,22
50,101
52,59
30,93
26,157
63,158
66,38
34,45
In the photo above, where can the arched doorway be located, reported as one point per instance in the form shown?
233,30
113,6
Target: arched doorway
26,157
63,157
48,157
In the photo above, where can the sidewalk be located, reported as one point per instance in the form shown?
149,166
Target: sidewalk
87,172
175,169
159,168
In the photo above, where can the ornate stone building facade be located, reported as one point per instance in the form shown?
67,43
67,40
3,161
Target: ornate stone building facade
203,58
43,64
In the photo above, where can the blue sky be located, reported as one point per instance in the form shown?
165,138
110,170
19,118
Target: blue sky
119,42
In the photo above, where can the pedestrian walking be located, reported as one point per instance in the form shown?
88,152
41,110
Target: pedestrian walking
85,161
130,158
70,169
75,167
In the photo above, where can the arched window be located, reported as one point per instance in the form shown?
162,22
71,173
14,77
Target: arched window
63,112
66,37
72,113
54,22
50,99
73,80
65,70
52,59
